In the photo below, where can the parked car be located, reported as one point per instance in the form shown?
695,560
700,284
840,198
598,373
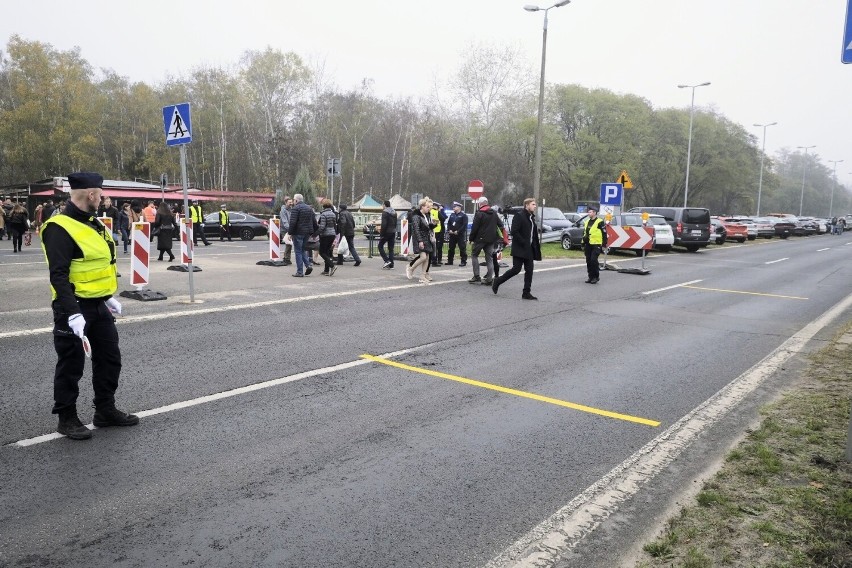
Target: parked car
572,238
749,223
782,225
765,227
690,225
735,231
552,219
573,215
243,225
719,233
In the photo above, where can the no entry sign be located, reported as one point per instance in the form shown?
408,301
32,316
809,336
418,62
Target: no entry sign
475,189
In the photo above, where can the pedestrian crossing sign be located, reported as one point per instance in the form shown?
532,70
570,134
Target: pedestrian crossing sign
177,124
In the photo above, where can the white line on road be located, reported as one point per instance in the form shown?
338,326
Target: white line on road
671,287
779,260
227,394
820,250
559,534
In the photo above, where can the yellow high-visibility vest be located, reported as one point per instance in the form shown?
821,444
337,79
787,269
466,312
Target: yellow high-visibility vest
595,232
94,275
195,213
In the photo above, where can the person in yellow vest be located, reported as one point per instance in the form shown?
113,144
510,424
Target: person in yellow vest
594,240
197,218
224,223
80,255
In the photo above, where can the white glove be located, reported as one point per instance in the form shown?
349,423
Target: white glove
202,224
77,323
606,250
114,306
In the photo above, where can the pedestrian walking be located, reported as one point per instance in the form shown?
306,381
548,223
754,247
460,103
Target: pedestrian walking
196,215
526,249
224,224
422,241
164,221
457,233
80,255
486,231
439,219
327,227
17,224
387,236
285,226
594,240
303,224
124,225
107,209
346,228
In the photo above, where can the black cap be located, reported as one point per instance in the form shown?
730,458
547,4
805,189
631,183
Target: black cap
85,180
593,208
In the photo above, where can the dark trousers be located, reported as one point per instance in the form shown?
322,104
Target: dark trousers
592,267
225,232
438,251
326,244
388,240
517,264
459,241
106,356
198,231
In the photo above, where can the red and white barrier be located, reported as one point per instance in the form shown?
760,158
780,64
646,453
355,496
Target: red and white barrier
186,241
107,221
627,237
275,239
404,241
140,259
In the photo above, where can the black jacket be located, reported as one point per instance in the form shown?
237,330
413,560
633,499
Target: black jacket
486,223
457,222
388,221
302,220
525,242
346,223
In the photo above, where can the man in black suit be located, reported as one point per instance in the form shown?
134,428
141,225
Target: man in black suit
526,248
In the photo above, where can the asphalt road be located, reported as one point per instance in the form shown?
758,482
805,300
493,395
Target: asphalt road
330,459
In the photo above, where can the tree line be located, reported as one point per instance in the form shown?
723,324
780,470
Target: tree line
256,124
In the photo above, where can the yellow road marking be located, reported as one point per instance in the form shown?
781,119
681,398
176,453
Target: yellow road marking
523,394
749,293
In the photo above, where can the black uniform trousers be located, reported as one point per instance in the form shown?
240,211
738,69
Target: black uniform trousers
198,231
460,241
106,357
592,266
517,264
438,252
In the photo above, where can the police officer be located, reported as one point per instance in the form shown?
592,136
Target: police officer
80,255
224,223
197,218
594,240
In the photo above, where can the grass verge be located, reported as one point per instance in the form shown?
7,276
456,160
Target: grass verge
783,498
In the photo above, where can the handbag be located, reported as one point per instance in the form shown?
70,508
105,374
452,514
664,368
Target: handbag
312,243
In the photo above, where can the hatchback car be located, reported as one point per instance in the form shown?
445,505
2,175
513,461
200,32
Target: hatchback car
243,225
736,231
718,232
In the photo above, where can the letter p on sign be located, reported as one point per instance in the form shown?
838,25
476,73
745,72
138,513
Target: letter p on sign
611,193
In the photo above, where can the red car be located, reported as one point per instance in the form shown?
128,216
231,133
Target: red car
735,231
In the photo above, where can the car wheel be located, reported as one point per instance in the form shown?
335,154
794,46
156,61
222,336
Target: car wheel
751,238
246,234
566,242
741,241
664,248
692,248
784,236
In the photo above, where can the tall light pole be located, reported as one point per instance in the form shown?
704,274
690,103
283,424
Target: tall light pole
804,169
537,166
833,187
689,143
762,154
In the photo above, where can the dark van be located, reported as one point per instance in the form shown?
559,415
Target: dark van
691,225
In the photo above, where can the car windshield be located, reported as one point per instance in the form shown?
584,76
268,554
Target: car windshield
657,221
552,213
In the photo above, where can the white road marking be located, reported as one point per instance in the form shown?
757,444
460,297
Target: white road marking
558,535
227,394
820,250
779,260
671,287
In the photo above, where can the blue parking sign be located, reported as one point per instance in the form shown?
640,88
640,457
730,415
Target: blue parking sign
612,194
846,55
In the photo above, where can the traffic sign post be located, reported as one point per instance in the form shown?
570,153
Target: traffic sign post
475,188
846,54
178,126
612,195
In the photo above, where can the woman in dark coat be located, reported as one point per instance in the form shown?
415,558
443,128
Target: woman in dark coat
124,225
422,241
165,222
526,248
17,224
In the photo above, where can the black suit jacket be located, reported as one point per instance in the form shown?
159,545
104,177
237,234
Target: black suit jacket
525,242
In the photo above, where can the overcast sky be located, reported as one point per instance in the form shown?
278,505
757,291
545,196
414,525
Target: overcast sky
767,60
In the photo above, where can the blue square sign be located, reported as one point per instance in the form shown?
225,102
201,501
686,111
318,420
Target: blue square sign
177,124
846,56
612,194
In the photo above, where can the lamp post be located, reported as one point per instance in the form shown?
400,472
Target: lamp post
833,187
537,166
762,154
689,143
804,169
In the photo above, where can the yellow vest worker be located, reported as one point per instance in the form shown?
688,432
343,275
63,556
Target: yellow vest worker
224,223
594,239
196,215
80,255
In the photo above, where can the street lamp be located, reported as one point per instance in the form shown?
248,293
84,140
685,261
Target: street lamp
537,166
804,169
762,154
689,143
831,203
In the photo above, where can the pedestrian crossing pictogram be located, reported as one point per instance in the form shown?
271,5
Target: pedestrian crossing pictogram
176,121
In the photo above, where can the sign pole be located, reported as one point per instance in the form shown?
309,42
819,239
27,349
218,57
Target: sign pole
186,209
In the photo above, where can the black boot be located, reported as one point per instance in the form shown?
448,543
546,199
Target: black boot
340,260
70,425
111,416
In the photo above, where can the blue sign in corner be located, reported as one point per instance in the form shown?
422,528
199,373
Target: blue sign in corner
612,194
846,55
177,124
